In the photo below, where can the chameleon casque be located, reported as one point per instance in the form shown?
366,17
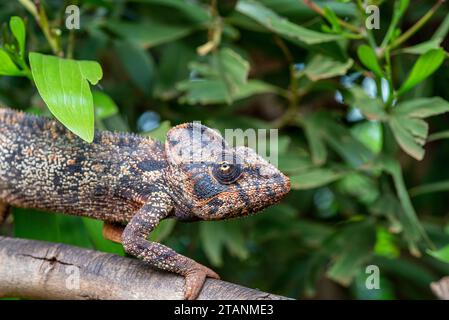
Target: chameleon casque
132,182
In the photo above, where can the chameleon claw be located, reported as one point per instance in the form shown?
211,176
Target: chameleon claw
195,279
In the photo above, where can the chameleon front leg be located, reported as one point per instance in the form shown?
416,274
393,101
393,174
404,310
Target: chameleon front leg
160,256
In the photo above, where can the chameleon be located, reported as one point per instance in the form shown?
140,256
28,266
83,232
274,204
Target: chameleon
132,182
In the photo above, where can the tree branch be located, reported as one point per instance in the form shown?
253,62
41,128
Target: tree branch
36,269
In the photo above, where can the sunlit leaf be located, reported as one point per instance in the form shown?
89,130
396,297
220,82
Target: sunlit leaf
63,85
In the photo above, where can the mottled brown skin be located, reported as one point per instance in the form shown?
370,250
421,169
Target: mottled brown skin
125,179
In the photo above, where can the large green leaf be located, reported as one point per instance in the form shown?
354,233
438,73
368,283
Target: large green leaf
323,67
427,64
63,85
269,19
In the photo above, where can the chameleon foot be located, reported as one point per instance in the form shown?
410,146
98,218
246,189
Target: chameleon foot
195,278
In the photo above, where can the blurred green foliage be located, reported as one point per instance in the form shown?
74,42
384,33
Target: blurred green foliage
352,105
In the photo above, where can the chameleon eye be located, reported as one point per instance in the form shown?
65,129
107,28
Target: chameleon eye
227,173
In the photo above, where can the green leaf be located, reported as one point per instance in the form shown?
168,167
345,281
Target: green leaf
409,135
217,235
233,70
350,247
441,254
314,178
273,22
222,79
385,244
369,59
422,107
409,130
172,68
427,64
63,85
138,64
323,67
104,106
316,142
361,186
369,133
423,47
7,66
150,33
18,30
212,241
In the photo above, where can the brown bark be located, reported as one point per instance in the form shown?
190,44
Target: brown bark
43,270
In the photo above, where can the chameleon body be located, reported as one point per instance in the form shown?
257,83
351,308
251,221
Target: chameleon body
133,182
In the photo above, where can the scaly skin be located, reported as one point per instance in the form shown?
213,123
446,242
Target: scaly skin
134,182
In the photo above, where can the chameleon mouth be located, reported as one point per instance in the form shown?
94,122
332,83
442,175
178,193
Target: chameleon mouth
267,195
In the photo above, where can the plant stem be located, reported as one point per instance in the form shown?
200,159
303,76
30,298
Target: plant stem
391,93
293,97
320,11
418,25
40,16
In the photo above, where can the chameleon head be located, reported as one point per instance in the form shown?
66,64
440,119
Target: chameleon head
210,180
